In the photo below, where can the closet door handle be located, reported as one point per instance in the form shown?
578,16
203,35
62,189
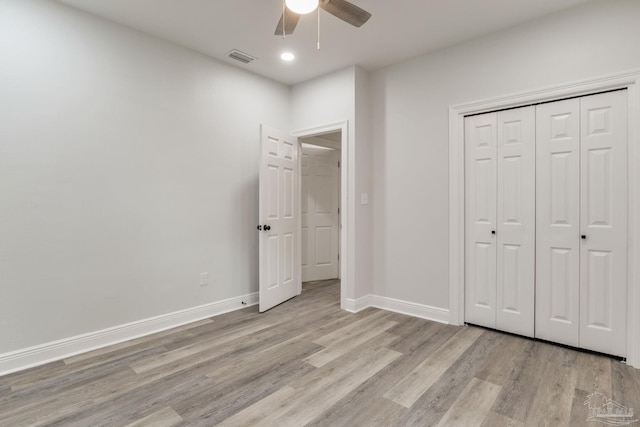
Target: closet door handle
583,237
493,232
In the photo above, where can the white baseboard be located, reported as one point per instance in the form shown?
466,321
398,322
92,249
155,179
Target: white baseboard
422,311
356,305
61,349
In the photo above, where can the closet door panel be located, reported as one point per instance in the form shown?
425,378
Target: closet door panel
516,221
557,307
480,220
603,250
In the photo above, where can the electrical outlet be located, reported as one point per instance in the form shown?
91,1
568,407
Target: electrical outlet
204,279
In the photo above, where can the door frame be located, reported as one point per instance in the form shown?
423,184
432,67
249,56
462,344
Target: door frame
629,81
347,207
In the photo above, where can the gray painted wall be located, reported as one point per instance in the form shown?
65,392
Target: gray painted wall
410,126
128,166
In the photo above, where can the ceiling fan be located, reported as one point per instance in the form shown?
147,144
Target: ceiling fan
348,12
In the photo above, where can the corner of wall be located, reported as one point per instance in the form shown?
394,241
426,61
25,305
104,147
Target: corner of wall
364,184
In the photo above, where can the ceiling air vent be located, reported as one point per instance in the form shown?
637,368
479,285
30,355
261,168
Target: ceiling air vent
245,58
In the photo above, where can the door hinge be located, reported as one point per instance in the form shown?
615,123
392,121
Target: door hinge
338,164
338,211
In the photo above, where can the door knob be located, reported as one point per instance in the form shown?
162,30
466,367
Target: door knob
259,228
583,237
493,232
267,227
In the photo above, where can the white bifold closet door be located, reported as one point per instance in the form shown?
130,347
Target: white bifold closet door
500,220
581,267
558,222
480,219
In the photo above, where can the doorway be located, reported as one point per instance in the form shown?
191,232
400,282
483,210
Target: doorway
320,206
347,207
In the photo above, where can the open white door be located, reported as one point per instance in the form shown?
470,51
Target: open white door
279,218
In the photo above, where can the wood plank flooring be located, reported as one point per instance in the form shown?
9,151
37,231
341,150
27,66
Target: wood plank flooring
308,363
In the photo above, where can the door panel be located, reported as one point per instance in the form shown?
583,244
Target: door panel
562,271
557,221
603,251
271,261
320,219
484,289
279,212
324,245
516,220
273,205
288,196
560,182
480,219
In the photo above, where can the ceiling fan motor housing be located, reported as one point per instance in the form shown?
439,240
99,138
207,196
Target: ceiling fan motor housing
342,9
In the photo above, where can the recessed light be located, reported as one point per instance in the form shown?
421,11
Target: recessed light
287,56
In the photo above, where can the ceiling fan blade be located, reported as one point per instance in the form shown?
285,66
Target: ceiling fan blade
290,21
346,11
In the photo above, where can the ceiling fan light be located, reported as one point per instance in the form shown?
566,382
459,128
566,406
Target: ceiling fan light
287,56
302,7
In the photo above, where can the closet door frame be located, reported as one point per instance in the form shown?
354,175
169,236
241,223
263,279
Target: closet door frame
629,81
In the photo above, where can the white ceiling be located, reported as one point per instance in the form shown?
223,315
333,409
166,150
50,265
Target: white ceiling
398,30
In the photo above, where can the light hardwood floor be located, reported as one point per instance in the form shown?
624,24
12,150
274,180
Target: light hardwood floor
306,362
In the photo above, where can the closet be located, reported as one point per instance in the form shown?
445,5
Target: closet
546,221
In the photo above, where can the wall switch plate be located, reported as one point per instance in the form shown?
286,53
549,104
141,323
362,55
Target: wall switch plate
204,279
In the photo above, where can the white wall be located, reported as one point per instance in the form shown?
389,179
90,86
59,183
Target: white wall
364,184
411,102
324,100
127,167
332,98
